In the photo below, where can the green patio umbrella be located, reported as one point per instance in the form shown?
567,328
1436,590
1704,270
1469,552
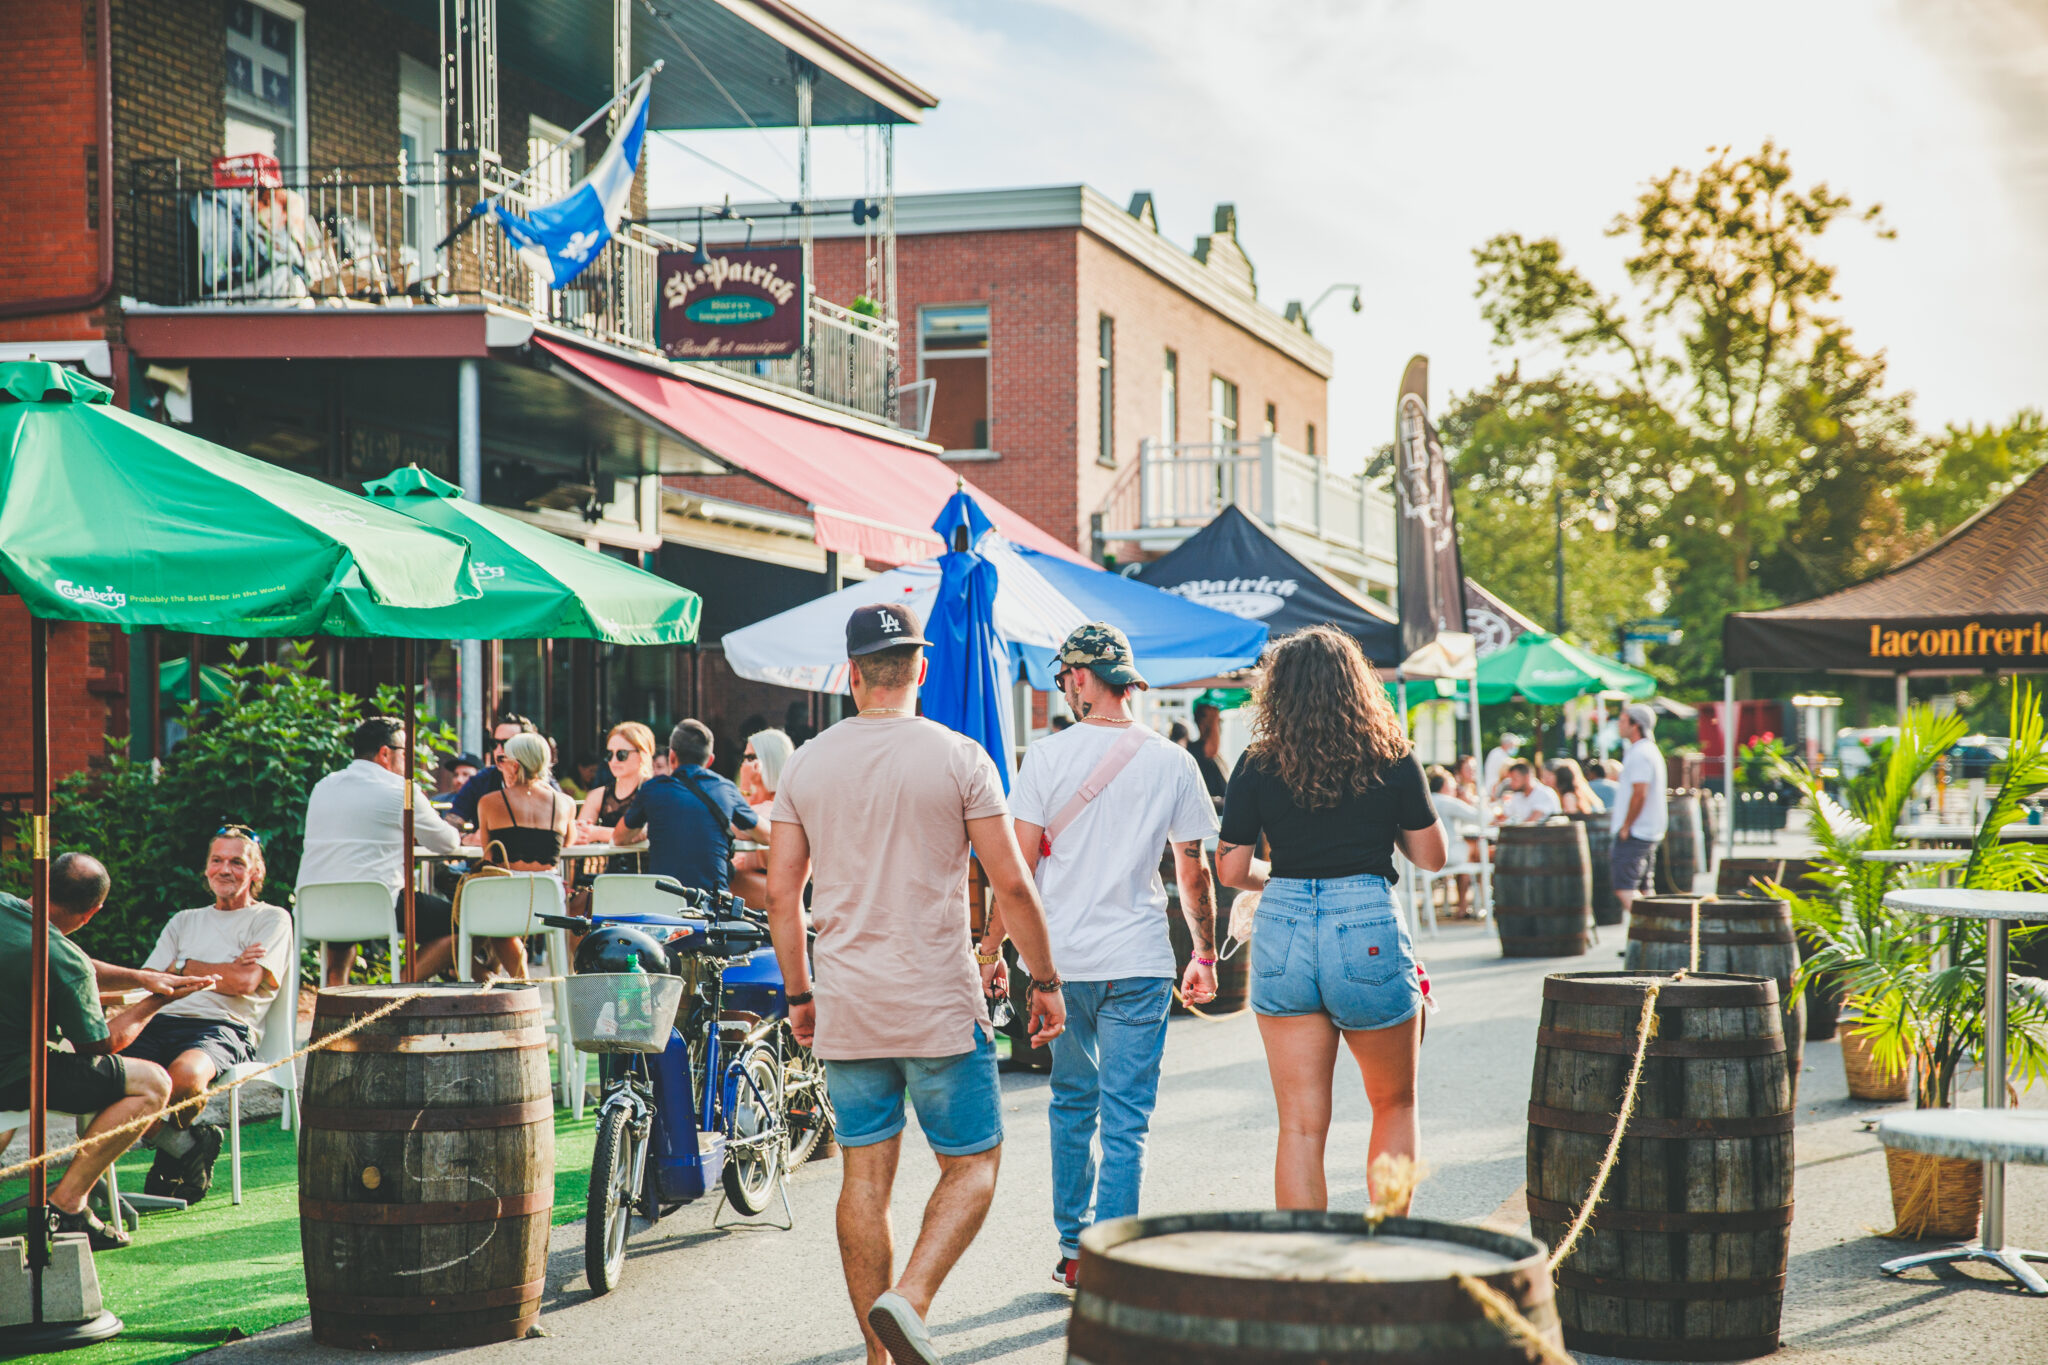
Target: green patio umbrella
108,518
535,585
174,680
1543,669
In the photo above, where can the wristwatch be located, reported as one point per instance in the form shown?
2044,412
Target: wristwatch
800,998
989,959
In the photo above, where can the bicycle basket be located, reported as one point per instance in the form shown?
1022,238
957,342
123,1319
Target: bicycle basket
622,1011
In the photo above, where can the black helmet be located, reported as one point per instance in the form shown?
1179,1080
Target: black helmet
617,948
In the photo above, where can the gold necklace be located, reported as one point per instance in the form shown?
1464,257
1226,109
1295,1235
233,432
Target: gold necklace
1105,720
886,711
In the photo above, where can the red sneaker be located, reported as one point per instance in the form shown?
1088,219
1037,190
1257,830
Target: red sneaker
1066,1272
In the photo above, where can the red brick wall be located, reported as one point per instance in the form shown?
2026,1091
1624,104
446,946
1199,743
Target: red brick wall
79,720
49,161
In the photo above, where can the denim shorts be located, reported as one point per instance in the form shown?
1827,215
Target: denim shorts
1334,946
959,1099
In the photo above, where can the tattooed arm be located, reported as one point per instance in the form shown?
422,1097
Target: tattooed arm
1198,907
1236,866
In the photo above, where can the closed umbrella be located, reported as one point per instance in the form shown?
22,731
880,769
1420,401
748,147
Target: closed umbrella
1541,668
967,681
108,518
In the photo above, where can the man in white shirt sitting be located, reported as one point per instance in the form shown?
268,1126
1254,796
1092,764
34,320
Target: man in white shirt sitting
355,833
1530,800
1497,760
247,945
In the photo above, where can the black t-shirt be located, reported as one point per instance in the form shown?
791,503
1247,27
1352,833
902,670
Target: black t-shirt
1353,838
1211,770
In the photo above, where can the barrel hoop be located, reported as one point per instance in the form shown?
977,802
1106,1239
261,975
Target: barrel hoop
442,1211
1640,935
361,1335
433,1005
1642,1126
494,1040
429,1120
1703,1290
1612,1219
1660,1047
1347,1338
1690,994
1669,1348
468,1301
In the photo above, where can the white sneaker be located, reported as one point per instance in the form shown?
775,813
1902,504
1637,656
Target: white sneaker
902,1331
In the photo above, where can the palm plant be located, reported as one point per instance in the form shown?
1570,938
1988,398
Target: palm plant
1918,981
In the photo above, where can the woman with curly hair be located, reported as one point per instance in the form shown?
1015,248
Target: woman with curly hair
1331,782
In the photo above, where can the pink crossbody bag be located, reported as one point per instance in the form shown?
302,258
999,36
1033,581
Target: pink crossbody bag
1120,754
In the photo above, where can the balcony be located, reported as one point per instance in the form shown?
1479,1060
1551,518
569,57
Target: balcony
370,237
1175,490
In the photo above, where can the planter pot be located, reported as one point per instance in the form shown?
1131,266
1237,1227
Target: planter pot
1934,1197
1867,1081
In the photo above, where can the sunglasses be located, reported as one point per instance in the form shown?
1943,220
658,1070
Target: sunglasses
621,755
239,832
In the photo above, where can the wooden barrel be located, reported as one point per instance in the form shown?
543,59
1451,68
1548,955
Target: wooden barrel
1600,855
1681,857
427,1168
1742,877
1233,973
1745,935
1685,1257
1299,1288
1542,889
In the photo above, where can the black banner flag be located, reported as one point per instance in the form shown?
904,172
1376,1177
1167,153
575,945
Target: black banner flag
1432,593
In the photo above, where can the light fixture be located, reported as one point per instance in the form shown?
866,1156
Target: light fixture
1806,699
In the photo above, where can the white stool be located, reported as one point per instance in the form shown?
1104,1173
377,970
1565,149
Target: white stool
510,906
348,912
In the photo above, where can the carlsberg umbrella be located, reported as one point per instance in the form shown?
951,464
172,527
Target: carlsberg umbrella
1546,670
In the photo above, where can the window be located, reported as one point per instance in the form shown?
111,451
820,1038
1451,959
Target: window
1169,398
1105,383
419,139
1272,421
953,350
1311,438
1222,411
265,97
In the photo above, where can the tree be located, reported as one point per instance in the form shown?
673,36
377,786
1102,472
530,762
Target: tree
1969,468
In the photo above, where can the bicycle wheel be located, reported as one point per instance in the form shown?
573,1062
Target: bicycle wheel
755,1143
608,1219
806,1108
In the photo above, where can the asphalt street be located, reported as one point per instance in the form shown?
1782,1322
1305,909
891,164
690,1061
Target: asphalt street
757,1296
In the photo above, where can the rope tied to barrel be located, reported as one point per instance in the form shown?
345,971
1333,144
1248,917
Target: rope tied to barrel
1500,1310
317,1045
1693,963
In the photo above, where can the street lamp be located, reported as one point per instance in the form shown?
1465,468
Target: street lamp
1603,520
1357,300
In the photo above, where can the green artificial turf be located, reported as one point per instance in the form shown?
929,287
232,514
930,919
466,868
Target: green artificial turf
218,1272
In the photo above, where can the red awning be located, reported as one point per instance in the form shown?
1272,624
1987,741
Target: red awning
867,497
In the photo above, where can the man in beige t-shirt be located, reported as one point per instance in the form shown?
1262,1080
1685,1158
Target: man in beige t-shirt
888,805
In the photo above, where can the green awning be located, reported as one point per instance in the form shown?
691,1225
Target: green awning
1541,668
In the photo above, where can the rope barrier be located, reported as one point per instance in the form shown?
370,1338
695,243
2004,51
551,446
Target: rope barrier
317,1045
1500,1310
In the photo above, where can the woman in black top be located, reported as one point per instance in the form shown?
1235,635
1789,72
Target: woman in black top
1331,782
523,827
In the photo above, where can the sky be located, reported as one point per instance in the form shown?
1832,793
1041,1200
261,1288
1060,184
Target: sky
1377,142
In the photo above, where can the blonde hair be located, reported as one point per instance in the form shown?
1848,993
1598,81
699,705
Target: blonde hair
641,738
772,749
530,752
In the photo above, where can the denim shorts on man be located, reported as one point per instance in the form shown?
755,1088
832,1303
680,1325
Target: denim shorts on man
1333,946
1633,864
959,1099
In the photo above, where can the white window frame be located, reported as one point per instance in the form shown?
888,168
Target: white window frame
1224,429
985,353
285,9
1169,397
427,192
1105,390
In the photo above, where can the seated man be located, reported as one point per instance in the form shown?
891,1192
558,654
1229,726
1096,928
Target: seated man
355,833
246,946
688,814
91,1078
1529,800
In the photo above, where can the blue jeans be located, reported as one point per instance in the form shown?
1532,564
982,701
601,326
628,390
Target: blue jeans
1105,1071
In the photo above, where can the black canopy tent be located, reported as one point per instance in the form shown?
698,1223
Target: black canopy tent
1236,565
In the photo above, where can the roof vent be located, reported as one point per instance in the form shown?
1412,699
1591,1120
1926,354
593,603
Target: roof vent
1221,253
1142,210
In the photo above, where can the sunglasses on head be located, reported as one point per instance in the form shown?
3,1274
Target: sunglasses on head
621,755
239,832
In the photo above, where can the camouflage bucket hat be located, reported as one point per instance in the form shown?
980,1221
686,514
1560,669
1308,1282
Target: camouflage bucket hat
1104,650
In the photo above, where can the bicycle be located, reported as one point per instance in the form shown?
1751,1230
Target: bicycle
693,1094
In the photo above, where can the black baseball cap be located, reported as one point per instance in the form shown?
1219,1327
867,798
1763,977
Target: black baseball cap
884,625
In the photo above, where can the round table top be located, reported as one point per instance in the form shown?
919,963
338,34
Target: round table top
2018,829
1915,855
1959,903
2019,1136
471,852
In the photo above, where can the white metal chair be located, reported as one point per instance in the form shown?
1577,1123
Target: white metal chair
510,907
1481,871
126,1208
279,1040
348,912
631,893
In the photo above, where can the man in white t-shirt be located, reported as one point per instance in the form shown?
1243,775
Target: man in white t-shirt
248,945
1637,812
1530,799
1497,760
1105,907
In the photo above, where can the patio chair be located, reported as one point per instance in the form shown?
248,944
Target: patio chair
348,912
1480,870
129,1208
510,907
632,893
280,1040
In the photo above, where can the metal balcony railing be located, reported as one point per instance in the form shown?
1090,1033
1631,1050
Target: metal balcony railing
1186,485
355,235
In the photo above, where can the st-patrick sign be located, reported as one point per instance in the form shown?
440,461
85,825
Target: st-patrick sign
736,305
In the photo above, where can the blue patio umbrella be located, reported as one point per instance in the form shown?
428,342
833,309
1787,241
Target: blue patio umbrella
966,687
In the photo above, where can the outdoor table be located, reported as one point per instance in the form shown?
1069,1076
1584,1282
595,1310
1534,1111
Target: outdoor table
1994,1137
1942,859
1935,833
2001,910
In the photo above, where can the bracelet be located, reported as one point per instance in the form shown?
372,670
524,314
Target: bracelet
988,959
800,998
1206,961
1047,986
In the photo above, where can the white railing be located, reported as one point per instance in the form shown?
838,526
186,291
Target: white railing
851,358
1186,485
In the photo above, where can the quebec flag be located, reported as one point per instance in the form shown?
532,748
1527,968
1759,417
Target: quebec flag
558,240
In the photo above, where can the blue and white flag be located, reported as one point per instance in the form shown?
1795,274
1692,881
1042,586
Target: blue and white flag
558,240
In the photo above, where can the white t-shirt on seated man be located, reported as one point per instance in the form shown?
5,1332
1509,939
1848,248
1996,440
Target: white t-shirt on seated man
1530,799
210,934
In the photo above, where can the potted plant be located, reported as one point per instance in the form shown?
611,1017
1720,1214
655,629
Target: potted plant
1917,983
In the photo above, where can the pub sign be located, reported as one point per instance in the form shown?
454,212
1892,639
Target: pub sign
740,304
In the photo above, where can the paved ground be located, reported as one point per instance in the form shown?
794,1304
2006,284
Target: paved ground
760,1297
